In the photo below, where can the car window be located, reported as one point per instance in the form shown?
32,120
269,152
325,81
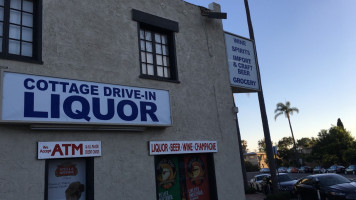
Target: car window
302,181
309,181
332,180
284,177
259,178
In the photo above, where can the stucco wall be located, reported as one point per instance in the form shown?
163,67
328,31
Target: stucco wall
97,41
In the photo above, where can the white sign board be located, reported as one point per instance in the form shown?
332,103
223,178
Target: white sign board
242,62
181,147
69,149
30,98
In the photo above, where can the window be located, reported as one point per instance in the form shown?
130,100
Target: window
71,178
20,30
154,54
188,177
157,46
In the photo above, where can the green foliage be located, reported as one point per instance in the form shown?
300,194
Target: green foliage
244,146
262,145
284,109
306,142
339,123
349,156
251,167
286,152
333,146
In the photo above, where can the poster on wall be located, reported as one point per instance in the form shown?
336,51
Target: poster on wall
197,180
67,179
167,173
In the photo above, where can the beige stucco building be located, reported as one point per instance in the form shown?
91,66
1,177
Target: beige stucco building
115,100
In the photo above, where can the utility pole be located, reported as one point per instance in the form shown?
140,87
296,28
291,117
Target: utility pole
261,100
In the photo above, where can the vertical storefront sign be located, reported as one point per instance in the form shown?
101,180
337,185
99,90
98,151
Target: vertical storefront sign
241,59
167,172
197,180
67,179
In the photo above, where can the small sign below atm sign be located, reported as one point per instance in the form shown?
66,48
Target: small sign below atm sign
180,147
69,149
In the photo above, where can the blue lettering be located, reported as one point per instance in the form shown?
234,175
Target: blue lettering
29,107
94,90
129,93
53,83
55,105
42,85
64,86
116,92
84,89
26,84
152,96
107,91
121,113
83,114
110,109
137,94
148,108
237,41
73,88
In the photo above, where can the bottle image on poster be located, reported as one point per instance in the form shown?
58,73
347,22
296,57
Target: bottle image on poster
197,177
66,179
168,178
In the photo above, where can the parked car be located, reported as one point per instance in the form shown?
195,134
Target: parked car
264,170
282,170
285,183
292,170
319,169
255,182
305,169
336,169
330,186
351,169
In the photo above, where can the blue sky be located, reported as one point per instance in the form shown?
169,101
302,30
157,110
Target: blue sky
307,55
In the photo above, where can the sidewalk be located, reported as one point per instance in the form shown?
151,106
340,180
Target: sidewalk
257,196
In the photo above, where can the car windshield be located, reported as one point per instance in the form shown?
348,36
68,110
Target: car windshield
259,178
332,180
284,178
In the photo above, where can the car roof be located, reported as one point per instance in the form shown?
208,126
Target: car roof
320,175
261,175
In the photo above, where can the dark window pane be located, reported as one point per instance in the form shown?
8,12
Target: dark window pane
15,32
27,19
28,6
16,4
15,17
14,47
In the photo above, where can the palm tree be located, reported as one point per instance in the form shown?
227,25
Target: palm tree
287,111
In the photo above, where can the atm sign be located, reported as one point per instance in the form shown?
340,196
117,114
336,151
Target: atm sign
69,149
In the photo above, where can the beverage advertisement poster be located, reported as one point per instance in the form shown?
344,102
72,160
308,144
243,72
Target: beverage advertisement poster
167,173
67,179
197,181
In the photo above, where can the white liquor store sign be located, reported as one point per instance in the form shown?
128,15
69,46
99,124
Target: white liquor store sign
241,58
30,98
